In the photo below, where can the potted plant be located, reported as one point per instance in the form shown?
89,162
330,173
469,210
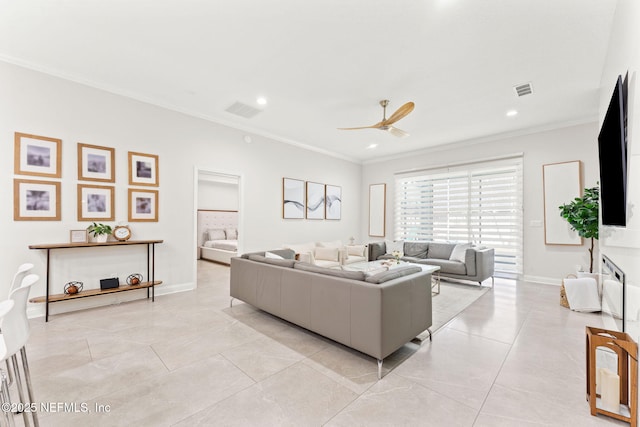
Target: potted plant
582,215
100,231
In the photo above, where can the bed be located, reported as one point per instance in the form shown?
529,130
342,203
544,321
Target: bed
217,235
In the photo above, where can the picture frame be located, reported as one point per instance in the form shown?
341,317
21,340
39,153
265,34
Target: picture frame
143,169
143,205
561,182
36,200
96,163
96,202
78,236
333,202
315,200
37,155
293,198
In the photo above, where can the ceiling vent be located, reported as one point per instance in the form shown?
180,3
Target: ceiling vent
523,89
243,110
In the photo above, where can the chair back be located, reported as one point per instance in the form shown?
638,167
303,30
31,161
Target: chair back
5,308
15,326
17,278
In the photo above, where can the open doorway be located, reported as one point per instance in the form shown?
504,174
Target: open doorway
218,216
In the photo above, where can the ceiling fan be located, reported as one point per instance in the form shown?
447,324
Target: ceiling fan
386,124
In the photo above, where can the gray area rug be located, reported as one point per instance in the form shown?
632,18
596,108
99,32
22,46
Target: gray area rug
452,299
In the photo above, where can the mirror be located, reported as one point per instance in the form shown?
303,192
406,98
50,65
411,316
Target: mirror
561,182
377,208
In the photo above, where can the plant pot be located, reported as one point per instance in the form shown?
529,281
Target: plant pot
102,238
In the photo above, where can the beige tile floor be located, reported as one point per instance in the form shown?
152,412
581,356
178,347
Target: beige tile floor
513,358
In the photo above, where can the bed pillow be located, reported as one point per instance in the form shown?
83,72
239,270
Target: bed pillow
216,234
232,233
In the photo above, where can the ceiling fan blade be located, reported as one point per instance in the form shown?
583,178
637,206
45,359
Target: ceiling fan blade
397,132
362,127
399,113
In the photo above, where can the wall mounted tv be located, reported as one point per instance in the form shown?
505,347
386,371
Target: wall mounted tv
612,147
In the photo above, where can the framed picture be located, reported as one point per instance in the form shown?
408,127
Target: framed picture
561,182
96,202
78,236
315,200
96,163
143,205
36,200
37,155
143,169
292,198
333,202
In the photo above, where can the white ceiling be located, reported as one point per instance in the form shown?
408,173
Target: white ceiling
326,64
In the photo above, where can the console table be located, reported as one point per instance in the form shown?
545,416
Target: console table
48,298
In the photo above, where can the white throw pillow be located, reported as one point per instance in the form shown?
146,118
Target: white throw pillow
272,255
397,246
333,244
459,252
326,254
356,250
216,234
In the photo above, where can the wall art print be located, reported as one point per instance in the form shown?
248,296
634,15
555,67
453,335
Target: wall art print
143,169
315,200
96,202
37,155
96,163
333,202
292,198
36,200
143,205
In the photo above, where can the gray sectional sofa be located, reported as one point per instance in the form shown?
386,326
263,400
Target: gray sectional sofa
467,262
375,314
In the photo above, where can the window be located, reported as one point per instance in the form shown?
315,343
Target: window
479,203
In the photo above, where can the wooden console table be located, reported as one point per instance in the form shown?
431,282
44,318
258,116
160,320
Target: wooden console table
48,298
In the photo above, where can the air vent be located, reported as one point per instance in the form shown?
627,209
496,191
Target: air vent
523,89
243,110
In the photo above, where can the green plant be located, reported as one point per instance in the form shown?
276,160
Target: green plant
98,229
582,215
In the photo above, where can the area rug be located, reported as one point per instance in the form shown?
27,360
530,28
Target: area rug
452,299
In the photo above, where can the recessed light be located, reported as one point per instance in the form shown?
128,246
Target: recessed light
372,146
261,100
512,113
247,139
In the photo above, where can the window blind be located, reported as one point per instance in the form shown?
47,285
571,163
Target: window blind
480,203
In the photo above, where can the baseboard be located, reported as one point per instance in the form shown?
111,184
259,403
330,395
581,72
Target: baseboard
38,310
543,280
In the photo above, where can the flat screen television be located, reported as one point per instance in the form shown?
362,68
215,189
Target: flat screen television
612,148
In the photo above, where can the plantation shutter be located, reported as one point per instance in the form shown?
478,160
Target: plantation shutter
479,203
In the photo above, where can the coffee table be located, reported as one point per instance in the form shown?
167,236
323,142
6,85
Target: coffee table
378,266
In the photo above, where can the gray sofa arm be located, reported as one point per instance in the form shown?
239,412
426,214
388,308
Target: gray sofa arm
377,249
485,259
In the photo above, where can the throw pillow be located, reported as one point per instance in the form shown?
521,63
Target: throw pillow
394,246
459,252
326,254
216,234
232,233
272,255
356,250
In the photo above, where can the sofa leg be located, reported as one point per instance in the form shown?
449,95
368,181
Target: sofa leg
231,302
379,369
430,336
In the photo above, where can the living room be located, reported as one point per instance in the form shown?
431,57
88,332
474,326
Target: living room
38,102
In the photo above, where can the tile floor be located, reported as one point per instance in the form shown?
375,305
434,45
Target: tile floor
513,358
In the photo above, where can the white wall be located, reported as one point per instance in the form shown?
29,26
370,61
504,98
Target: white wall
622,245
542,263
218,195
40,104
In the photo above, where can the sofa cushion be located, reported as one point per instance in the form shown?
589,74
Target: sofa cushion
332,244
272,255
416,249
440,250
356,250
394,246
280,262
394,273
412,259
355,275
447,266
459,252
300,248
